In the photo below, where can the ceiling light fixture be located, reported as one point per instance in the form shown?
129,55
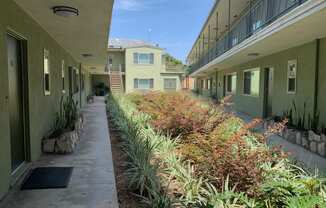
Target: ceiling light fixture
87,55
65,11
253,54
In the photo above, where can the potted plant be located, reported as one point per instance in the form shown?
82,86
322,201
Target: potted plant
67,125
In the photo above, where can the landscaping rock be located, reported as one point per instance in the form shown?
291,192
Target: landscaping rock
323,138
64,144
67,143
305,142
298,138
313,146
321,149
284,133
314,137
291,135
48,145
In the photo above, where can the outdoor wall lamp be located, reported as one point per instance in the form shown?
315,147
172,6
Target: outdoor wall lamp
65,11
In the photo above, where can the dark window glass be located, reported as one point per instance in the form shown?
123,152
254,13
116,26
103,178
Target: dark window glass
47,82
247,83
136,83
151,83
229,83
291,87
63,83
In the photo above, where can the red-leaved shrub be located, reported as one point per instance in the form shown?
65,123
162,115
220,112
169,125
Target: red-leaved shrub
179,113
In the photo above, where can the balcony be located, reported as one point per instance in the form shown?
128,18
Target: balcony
117,68
255,17
172,68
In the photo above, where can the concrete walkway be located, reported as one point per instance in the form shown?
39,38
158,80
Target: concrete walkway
304,157
92,184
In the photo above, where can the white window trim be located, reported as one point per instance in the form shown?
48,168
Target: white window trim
243,83
228,74
46,53
63,77
148,79
290,62
144,64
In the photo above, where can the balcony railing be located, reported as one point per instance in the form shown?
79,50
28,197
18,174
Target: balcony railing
257,16
116,68
174,68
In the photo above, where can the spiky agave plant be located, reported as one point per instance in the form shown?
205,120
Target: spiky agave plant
59,123
70,112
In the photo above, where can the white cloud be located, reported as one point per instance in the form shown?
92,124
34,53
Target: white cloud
135,5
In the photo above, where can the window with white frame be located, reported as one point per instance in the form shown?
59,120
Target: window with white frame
63,76
143,58
231,83
170,84
144,84
46,72
292,77
251,82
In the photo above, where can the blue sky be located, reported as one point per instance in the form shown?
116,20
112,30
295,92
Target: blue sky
174,24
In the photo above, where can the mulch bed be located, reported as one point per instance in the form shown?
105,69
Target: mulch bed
126,198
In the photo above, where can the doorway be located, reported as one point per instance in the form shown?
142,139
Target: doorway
17,100
268,92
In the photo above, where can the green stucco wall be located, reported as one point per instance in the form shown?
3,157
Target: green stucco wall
118,57
321,106
281,100
41,108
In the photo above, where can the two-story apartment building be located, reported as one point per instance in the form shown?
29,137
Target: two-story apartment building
267,54
135,65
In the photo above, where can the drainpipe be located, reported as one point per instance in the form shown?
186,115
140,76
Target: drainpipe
250,19
216,83
315,110
80,85
229,26
216,27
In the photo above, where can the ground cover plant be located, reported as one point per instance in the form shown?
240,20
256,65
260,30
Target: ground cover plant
183,152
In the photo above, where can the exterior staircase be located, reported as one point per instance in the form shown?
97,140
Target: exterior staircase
116,79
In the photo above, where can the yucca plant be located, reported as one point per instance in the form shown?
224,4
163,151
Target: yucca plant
59,123
70,112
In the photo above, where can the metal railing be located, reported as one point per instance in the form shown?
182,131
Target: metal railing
257,16
116,68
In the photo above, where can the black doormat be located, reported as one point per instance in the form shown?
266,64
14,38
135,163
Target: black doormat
48,178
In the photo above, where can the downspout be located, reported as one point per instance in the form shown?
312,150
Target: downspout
229,25
315,110
216,83
80,85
